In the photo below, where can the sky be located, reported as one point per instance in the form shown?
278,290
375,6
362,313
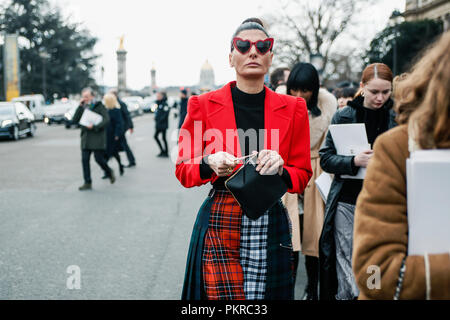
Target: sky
178,36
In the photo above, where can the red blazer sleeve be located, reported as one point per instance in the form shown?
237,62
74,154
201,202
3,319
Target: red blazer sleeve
190,147
298,163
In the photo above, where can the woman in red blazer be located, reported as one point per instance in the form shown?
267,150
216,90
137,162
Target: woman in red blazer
232,257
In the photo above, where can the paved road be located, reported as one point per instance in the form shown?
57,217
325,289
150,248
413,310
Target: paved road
129,239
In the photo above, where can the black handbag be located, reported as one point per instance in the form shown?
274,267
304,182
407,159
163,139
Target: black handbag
254,192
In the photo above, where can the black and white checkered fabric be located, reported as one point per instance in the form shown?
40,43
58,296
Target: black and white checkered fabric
253,256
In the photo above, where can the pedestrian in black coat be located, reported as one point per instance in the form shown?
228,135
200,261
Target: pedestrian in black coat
183,107
162,123
372,106
114,130
127,125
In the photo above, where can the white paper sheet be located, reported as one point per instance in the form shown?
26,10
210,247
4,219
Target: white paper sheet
350,140
90,118
323,183
428,197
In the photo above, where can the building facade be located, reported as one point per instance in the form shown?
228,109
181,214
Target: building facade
428,9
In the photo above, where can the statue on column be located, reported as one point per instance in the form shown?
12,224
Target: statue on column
121,46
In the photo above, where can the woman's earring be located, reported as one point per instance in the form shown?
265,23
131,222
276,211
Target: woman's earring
362,94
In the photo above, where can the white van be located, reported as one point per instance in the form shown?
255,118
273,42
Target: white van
36,104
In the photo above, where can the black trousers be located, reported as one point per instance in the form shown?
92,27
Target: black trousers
114,155
126,147
311,266
100,158
163,133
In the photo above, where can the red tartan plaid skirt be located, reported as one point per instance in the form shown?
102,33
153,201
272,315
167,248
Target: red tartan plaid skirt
223,276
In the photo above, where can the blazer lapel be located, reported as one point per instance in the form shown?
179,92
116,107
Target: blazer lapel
221,117
277,121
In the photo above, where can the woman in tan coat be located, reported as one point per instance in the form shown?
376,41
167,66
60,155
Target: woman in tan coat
304,82
381,222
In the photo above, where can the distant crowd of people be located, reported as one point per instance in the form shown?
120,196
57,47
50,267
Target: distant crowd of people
106,138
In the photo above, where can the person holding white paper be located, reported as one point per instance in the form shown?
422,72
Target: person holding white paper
372,107
93,138
381,218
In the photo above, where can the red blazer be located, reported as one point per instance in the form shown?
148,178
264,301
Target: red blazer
210,127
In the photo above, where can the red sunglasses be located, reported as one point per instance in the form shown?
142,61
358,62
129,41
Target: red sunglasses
244,46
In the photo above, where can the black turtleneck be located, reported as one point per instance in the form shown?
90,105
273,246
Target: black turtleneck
249,115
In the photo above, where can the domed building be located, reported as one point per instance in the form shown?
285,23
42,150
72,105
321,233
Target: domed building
207,81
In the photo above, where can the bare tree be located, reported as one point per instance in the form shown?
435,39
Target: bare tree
304,28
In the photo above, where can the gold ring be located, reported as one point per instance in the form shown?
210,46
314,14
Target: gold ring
230,170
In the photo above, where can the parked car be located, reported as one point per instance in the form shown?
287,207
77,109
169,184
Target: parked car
55,112
68,116
148,104
35,103
134,105
16,120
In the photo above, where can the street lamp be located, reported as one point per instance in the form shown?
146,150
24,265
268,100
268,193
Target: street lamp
102,70
395,19
44,56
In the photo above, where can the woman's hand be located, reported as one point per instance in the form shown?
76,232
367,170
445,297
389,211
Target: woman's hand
222,163
362,159
269,163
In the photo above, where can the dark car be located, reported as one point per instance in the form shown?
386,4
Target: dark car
16,120
55,113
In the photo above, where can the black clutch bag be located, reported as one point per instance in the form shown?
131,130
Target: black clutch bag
255,193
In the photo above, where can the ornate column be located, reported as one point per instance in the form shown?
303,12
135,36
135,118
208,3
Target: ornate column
121,68
153,74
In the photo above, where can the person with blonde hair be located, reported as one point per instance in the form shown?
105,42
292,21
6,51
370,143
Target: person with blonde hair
114,130
381,218
397,80
128,126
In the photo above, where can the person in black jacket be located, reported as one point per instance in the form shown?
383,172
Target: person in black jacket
373,107
183,107
127,125
162,123
114,130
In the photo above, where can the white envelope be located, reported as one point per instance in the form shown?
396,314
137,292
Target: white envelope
348,136
323,183
90,118
428,201
350,140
